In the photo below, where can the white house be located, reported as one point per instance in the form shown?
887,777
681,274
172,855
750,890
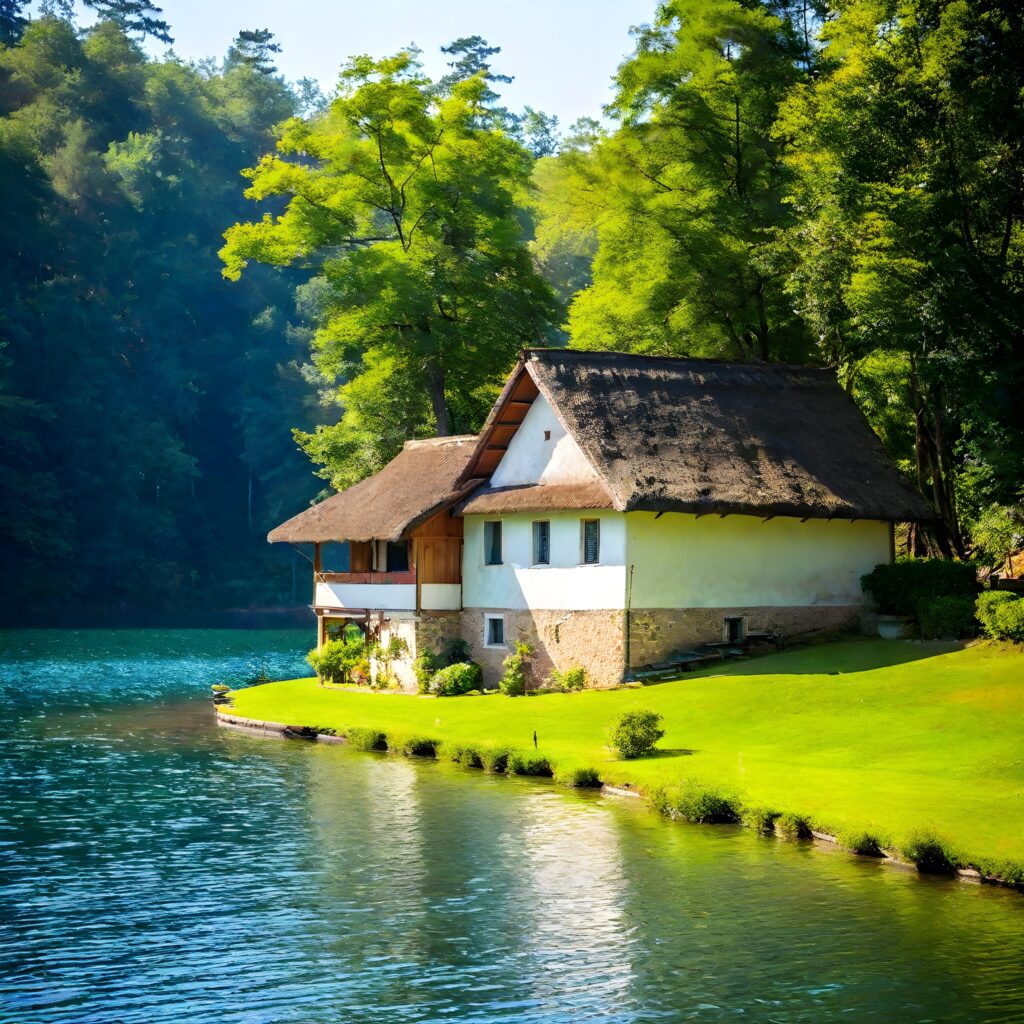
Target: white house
617,511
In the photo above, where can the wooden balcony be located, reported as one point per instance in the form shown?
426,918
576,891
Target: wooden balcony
386,578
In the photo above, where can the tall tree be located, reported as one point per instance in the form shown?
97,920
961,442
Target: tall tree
412,217
12,20
254,48
135,17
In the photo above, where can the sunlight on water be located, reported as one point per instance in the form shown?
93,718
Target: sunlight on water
156,870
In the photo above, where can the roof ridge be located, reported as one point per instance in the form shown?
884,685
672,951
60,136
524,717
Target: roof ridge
417,442
608,354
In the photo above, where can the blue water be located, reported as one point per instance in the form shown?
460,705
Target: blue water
157,870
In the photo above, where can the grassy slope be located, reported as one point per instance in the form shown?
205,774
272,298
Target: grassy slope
883,736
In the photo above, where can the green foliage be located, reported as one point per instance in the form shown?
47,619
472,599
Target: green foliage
412,746
997,532
385,655
527,762
569,681
426,663
704,805
864,843
898,588
366,739
577,777
1001,615
336,659
494,759
412,212
516,665
760,819
947,618
460,753
930,854
456,679
792,826
634,733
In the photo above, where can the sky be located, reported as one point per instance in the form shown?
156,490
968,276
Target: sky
561,52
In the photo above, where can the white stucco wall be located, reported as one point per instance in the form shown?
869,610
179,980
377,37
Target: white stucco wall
531,459
382,596
441,596
681,561
516,584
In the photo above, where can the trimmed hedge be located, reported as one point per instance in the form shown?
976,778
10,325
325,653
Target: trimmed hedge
898,588
1001,614
456,679
947,618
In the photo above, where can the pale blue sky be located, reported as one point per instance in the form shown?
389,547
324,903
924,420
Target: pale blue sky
562,52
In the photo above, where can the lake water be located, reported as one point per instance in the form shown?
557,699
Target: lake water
157,870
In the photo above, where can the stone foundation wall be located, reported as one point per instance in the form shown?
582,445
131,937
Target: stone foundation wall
424,632
657,633
561,639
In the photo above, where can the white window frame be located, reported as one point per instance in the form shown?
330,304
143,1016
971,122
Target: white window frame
533,546
488,619
583,540
501,541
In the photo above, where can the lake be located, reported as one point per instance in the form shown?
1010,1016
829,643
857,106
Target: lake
157,870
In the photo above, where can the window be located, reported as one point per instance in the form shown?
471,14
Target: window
492,543
734,630
542,543
590,541
398,556
494,631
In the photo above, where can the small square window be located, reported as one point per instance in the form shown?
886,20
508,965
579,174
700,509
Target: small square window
590,541
492,543
735,629
494,630
547,435
542,543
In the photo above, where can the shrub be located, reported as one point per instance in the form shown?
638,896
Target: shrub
458,753
760,819
424,667
513,682
572,679
527,762
494,759
1002,615
366,739
897,588
635,733
863,843
947,618
931,854
413,746
456,679
577,777
336,659
705,806
792,826
455,649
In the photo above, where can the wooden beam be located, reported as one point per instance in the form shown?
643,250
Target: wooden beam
496,448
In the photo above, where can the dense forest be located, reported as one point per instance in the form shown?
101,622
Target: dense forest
222,294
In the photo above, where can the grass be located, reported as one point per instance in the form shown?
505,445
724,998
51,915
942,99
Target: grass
879,740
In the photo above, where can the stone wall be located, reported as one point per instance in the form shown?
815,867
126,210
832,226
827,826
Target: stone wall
423,632
561,639
656,633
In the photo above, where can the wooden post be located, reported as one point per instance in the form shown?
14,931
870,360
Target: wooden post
321,631
892,542
317,563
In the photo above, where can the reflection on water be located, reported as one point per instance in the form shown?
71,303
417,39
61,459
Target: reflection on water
154,869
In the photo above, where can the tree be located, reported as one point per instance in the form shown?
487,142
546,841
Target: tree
136,17
412,217
539,131
687,194
12,23
254,48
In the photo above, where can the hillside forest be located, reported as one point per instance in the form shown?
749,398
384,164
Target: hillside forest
224,294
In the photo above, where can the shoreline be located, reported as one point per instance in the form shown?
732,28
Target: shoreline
400,745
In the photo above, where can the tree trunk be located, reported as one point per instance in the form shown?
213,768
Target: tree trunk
435,380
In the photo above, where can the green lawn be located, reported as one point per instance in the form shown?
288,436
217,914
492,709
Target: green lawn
884,736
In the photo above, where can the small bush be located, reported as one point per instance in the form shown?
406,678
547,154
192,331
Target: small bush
706,806
930,854
494,759
863,843
1001,614
792,826
572,679
527,762
513,682
336,659
456,679
458,753
455,649
635,733
897,588
760,819
947,618
366,739
577,777
424,667
413,746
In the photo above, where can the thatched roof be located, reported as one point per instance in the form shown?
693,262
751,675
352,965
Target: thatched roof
690,435
418,482
536,498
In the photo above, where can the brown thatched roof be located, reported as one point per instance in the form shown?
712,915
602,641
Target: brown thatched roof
418,482
537,498
689,435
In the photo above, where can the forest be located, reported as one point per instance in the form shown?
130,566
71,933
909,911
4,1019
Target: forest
223,294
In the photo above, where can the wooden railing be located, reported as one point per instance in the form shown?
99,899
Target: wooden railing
409,576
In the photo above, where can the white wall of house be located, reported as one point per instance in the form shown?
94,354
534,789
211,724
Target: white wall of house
383,596
682,561
441,596
532,459
565,583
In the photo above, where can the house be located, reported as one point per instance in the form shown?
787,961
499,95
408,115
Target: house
616,509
